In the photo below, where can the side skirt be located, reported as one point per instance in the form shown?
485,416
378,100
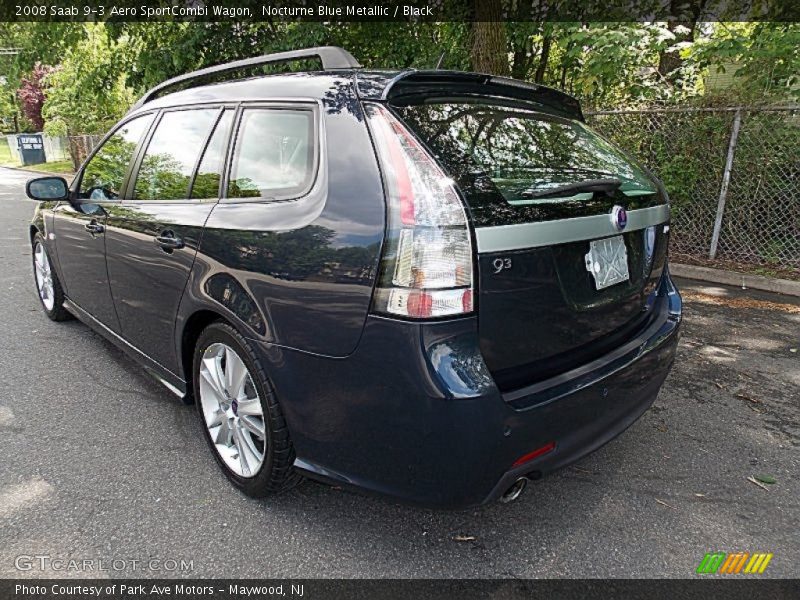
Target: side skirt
164,376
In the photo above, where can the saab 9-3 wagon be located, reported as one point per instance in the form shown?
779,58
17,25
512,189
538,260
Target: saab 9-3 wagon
431,285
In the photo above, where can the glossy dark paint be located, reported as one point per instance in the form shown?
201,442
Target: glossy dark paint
146,280
82,258
544,316
388,418
308,265
296,273
406,409
401,86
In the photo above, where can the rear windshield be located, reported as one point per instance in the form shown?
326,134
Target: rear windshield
513,156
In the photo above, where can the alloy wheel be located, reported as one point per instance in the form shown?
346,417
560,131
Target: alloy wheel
232,410
44,277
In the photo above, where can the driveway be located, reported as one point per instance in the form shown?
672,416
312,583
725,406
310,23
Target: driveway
100,462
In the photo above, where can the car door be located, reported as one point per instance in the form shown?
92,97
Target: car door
79,225
152,237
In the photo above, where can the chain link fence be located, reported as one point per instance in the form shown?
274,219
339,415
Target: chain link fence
733,175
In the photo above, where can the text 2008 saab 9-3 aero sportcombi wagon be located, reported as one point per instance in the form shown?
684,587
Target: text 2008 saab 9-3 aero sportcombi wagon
432,285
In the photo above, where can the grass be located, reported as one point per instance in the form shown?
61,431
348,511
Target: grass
60,166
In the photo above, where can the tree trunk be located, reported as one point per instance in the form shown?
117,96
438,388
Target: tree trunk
519,66
544,57
489,53
669,62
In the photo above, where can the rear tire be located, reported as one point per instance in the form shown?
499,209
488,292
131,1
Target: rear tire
48,287
241,418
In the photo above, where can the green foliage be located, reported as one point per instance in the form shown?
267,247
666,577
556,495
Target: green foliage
102,67
34,42
87,93
376,45
765,58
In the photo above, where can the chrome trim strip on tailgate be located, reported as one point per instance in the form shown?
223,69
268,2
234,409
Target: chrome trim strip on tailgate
549,233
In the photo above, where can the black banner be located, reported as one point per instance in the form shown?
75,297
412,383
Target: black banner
399,10
312,589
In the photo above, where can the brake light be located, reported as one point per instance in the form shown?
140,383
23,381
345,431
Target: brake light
426,268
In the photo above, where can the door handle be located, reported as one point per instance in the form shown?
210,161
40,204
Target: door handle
168,241
94,227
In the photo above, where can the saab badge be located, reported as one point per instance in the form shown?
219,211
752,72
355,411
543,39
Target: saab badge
619,217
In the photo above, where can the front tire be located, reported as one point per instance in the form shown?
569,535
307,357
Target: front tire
48,286
242,420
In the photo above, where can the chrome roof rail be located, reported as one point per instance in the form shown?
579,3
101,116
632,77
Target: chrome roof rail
332,58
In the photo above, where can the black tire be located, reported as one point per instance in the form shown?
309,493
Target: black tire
277,473
57,312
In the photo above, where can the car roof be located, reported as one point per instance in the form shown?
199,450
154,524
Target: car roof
340,76
379,85
341,72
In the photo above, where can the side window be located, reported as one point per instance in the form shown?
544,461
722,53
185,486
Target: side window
273,155
209,173
103,176
173,150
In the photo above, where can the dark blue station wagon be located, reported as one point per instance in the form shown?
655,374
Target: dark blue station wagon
431,285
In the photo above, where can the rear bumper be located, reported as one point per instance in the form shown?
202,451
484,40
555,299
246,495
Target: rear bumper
414,414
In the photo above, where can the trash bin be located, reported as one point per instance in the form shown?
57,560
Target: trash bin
31,148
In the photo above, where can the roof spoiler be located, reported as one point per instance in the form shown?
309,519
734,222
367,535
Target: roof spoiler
411,83
332,58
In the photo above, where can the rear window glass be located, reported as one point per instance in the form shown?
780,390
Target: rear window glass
274,154
516,155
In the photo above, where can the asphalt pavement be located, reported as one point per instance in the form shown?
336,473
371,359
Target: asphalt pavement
100,462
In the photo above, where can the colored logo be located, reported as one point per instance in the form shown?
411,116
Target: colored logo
738,562
619,217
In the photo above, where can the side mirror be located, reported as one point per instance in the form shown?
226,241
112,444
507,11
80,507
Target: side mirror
47,188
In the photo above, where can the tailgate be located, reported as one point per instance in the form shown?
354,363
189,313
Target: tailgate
566,273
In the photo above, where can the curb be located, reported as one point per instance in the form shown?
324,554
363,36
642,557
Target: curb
742,280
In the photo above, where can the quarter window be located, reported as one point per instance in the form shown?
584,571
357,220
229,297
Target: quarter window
273,155
103,176
172,153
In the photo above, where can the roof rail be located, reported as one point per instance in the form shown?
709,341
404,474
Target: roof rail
332,57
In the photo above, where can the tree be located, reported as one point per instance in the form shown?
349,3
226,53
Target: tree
32,43
488,39
87,92
765,58
31,95
683,26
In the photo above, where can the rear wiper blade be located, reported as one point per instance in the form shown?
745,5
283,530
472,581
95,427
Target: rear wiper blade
589,185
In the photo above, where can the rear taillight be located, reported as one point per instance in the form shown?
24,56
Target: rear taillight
426,268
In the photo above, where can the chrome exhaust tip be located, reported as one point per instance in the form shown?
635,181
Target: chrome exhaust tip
515,491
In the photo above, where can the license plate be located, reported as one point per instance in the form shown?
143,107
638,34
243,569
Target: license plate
607,261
